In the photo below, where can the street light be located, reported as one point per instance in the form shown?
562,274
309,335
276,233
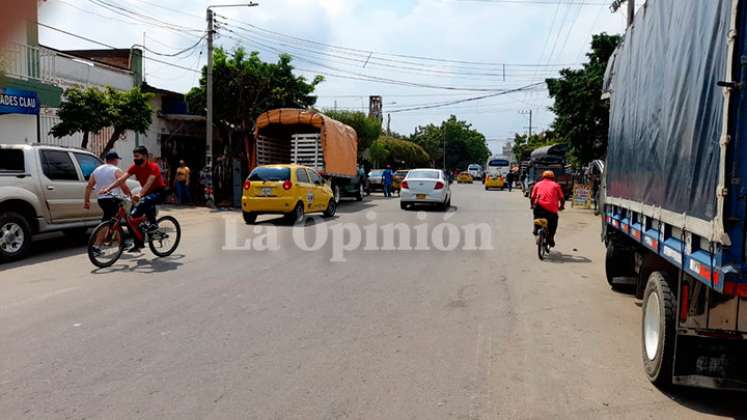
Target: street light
209,94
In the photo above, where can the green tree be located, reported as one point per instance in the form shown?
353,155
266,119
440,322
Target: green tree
128,110
245,87
83,111
463,144
89,110
582,116
400,153
368,129
525,145
378,153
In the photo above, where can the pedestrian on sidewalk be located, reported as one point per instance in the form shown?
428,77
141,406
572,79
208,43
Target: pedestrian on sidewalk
181,185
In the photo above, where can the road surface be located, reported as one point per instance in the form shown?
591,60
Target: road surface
217,331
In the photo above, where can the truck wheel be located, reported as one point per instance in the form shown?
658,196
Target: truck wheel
617,263
249,217
337,194
15,236
658,329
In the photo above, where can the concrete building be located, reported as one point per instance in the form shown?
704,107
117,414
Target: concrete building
35,77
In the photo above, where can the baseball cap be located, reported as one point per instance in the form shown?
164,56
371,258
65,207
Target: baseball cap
112,156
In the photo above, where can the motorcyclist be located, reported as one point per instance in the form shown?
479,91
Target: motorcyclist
546,201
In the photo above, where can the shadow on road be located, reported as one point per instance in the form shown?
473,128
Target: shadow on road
47,248
710,402
561,258
138,263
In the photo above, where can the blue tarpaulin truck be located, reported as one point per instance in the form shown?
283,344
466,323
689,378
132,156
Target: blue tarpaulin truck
675,205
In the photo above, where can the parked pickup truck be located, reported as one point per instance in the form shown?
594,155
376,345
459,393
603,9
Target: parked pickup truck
41,190
675,187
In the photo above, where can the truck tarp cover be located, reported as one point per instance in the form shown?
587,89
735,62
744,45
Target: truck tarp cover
339,141
667,111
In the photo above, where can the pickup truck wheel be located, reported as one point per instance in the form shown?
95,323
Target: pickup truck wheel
658,329
15,236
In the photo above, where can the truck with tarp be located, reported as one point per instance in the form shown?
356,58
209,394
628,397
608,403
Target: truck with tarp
310,138
675,187
549,158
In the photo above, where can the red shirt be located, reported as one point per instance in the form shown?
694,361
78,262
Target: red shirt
142,173
547,194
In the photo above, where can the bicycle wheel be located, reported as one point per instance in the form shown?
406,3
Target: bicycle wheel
106,244
163,242
541,247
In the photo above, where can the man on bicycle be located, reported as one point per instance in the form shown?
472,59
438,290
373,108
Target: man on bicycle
153,191
547,200
102,177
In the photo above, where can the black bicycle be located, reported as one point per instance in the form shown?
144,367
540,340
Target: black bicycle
543,247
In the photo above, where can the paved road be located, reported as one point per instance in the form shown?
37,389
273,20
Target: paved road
288,334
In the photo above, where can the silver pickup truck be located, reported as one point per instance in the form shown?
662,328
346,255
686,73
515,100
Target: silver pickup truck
41,190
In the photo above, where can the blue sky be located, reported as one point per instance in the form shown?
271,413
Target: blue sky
470,31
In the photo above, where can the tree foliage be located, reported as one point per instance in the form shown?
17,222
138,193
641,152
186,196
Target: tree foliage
582,116
90,110
464,145
525,145
368,129
129,110
83,111
398,153
245,87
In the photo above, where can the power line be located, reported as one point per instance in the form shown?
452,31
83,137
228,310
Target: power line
384,54
476,98
112,47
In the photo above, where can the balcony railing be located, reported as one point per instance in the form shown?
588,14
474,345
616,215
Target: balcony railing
41,64
27,63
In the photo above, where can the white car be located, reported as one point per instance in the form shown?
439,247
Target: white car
425,186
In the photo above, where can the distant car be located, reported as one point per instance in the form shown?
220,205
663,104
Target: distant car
290,190
475,171
397,179
425,186
376,180
464,178
494,181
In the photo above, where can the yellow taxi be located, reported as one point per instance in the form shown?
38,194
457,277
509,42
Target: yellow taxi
494,181
397,179
464,178
290,190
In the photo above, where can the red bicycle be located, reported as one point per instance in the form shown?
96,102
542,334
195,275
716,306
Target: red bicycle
107,242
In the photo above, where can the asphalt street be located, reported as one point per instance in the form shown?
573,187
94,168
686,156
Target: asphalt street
448,329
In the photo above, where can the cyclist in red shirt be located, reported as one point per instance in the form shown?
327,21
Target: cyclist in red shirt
547,200
153,191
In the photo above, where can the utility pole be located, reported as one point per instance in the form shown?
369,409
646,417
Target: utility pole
530,113
209,93
209,155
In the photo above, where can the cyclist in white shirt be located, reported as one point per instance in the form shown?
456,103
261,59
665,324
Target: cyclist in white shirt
102,177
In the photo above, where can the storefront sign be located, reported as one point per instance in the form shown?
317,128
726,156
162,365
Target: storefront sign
17,101
582,196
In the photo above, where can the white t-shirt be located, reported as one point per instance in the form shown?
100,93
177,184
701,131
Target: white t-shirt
103,176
